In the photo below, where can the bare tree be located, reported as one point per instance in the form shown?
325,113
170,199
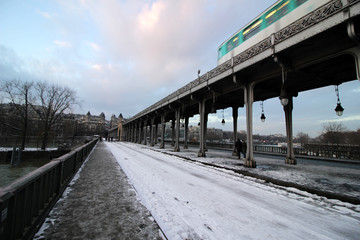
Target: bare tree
303,138
52,101
333,133
18,93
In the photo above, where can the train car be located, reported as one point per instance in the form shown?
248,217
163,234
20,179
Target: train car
276,17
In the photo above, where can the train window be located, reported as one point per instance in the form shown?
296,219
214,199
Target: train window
283,9
271,17
252,30
235,41
228,46
299,2
232,43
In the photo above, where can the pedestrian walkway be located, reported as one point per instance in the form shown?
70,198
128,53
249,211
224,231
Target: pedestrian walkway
100,203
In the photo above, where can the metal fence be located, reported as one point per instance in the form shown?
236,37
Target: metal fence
323,151
311,150
25,203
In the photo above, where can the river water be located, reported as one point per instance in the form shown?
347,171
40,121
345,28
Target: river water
9,174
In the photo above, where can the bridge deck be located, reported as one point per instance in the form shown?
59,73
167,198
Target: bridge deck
100,204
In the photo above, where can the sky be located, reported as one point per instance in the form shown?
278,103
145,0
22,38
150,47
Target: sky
123,56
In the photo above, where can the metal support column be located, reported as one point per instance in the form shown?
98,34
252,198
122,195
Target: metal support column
140,131
156,133
162,144
205,129
173,132
202,128
235,117
186,130
290,156
145,132
249,99
152,131
177,128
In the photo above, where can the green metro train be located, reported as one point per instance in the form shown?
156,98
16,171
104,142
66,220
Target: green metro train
276,17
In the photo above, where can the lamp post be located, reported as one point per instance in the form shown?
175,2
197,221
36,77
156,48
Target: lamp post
339,109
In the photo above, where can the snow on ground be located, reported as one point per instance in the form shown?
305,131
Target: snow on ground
340,179
192,201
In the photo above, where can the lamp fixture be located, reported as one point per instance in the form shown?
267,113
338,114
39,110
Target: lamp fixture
182,122
262,112
283,94
223,119
339,109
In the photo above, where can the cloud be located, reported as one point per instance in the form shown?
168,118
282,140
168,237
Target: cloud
157,45
97,67
64,44
94,46
11,65
165,41
44,14
342,119
149,16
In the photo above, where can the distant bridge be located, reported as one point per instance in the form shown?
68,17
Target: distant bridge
318,50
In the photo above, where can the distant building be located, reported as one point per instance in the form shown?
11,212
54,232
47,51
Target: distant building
121,121
115,130
89,125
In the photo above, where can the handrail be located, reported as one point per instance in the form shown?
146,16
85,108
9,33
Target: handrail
318,151
25,203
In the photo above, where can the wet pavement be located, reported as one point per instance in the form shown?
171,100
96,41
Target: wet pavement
100,204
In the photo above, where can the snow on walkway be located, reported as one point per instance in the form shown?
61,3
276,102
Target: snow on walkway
191,201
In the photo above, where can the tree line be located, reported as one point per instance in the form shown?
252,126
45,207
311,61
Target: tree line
47,100
334,133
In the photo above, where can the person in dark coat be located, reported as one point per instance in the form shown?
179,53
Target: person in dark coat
244,148
238,146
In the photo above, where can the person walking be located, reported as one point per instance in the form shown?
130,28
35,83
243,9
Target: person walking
238,146
244,148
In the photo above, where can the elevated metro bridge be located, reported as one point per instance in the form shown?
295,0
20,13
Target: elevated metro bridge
318,50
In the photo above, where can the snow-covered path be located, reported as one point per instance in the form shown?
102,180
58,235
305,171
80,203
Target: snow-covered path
191,201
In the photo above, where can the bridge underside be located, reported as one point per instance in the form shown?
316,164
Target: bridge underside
316,62
326,53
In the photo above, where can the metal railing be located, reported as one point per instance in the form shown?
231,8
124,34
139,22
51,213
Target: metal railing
25,203
310,150
323,151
